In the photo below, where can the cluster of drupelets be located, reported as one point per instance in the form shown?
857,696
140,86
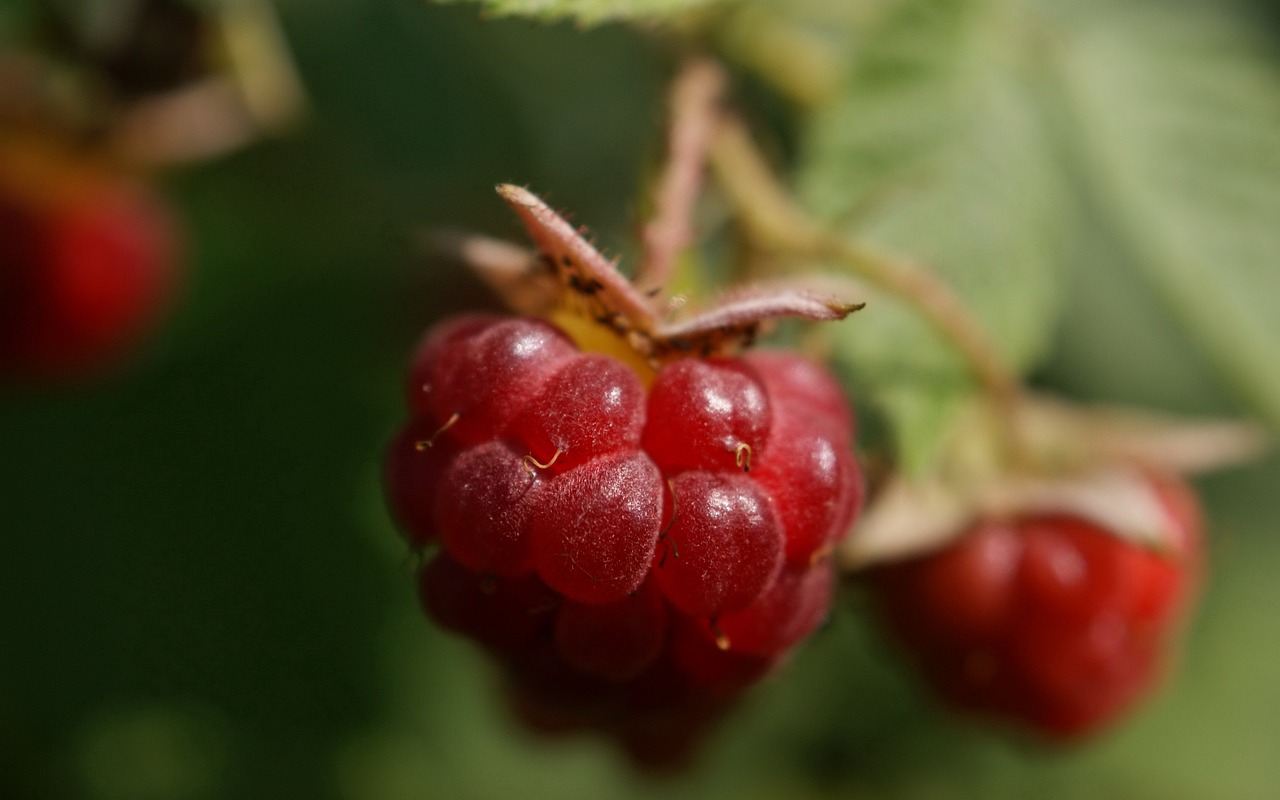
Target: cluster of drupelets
1049,620
634,556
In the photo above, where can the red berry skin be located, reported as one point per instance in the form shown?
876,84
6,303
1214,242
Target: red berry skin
723,672
596,526
723,546
558,694
592,405
805,388
505,615
1049,621
486,379
808,468
615,641
483,506
634,560
666,743
417,389
785,614
88,261
702,413
814,480
412,469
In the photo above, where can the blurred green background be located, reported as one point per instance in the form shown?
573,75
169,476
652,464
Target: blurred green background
201,595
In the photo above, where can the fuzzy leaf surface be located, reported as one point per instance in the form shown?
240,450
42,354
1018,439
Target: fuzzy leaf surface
1177,118
936,149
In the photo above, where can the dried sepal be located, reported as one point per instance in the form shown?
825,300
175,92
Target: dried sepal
907,518
736,319
522,280
911,519
1088,462
1120,498
1174,443
593,286
591,281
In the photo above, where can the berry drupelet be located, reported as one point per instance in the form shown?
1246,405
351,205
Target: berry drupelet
634,521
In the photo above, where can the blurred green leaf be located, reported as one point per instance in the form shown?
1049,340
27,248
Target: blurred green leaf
13,16
1177,109
590,11
796,46
936,149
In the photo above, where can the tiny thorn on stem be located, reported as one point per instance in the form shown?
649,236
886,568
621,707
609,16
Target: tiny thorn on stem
530,462
426,444
742,457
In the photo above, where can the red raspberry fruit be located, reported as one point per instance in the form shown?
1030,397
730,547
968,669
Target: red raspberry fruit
87,261
1046,620
634,558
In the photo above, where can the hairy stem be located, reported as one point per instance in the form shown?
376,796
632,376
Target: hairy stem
694,114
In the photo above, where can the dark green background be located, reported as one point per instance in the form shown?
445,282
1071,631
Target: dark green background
201,595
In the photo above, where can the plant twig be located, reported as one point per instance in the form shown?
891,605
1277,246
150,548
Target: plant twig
257,93
694,114
777,222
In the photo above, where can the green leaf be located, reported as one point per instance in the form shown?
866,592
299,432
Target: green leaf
936,149
796,46
590,12
1178,116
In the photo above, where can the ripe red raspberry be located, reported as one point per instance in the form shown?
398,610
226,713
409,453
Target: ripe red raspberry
1047,620
87,261
634,558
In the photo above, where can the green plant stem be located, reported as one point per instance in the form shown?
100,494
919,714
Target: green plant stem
776,222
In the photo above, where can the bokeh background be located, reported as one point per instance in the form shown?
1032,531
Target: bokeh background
201,595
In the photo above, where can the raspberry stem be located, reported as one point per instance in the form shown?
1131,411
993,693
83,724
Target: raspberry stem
777,222
694,115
